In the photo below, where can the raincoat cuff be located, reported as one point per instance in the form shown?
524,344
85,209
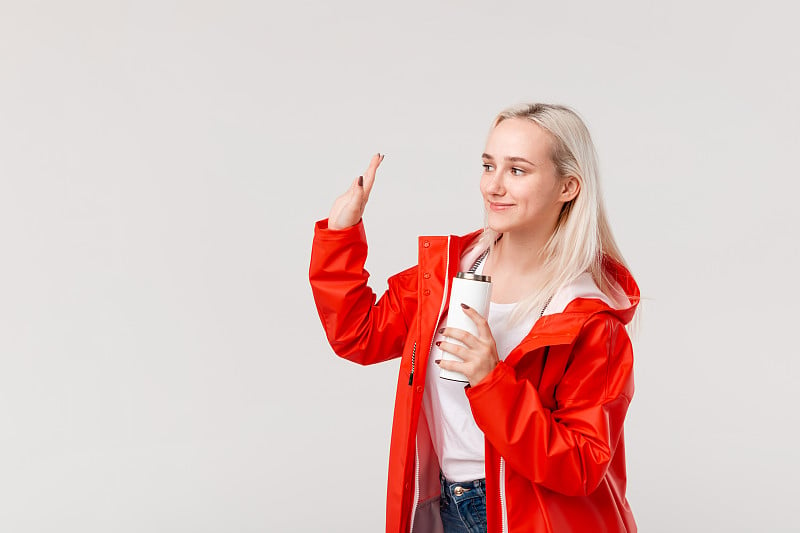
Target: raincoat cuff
500,373
355,232
492,389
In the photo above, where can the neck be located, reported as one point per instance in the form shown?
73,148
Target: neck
520,253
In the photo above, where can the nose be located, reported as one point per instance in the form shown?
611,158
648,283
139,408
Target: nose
494,185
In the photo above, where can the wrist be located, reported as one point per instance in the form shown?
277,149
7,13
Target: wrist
337,226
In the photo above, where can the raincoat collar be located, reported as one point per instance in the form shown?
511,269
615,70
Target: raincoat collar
563,327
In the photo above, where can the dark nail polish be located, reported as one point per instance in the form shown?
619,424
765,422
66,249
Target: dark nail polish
361,181
465,306
441,330
437,361
438,343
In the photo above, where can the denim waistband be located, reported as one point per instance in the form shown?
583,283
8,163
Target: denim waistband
459,490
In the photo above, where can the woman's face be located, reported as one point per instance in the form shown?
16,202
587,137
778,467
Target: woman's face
520,186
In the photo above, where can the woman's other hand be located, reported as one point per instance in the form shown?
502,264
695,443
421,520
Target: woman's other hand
478,355
348,209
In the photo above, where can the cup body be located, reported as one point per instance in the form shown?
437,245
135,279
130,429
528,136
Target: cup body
475,291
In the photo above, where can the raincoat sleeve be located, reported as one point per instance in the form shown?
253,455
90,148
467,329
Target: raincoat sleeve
359,327
568,449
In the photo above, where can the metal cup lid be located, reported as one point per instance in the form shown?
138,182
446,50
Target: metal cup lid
474,277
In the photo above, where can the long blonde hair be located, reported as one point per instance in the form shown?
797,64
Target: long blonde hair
582,235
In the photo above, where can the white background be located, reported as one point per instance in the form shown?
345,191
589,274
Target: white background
162,366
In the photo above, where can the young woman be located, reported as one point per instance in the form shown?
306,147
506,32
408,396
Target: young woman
534,442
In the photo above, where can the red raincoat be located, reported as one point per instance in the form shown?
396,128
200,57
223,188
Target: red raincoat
552,412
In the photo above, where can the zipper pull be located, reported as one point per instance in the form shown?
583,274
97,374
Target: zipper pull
413,360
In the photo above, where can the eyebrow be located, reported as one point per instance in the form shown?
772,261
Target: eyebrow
510,159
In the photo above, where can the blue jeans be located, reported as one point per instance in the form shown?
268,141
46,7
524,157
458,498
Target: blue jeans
463,506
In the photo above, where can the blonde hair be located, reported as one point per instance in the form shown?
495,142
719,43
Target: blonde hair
582,236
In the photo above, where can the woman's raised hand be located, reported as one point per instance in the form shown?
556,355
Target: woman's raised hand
349,207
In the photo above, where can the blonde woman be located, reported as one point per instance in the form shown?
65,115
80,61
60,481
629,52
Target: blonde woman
535,441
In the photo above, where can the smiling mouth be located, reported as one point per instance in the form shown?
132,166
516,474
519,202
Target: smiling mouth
495,206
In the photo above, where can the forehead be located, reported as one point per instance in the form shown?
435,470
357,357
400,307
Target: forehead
519,137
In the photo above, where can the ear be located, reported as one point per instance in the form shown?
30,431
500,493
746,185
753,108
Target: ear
570,188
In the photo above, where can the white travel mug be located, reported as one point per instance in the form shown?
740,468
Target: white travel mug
474,290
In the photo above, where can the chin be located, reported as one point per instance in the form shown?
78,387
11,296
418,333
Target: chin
499,228
497,223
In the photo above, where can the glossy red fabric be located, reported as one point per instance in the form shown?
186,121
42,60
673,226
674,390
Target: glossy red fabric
552,411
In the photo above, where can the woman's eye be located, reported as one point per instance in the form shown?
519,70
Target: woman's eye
487,167
517,171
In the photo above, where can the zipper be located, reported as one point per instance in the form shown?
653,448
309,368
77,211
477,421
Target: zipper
503,505
416,486
503,508
413,359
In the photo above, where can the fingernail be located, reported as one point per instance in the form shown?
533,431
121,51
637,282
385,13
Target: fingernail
438,343
441,330
437,361
361,183
465,306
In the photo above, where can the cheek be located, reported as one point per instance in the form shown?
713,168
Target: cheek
534,193
483,183
523,192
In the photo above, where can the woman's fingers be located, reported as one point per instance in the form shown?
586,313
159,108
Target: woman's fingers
483,326
462,336
478,354
459,351
358,197
350,205
454,366
369,174
348,208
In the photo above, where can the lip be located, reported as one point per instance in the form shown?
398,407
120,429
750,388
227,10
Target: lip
496,206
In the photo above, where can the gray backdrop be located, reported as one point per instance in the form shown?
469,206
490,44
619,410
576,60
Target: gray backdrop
161,167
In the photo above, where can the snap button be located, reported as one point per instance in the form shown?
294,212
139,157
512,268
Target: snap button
427,275
426,244
419,388
426,292
458,491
